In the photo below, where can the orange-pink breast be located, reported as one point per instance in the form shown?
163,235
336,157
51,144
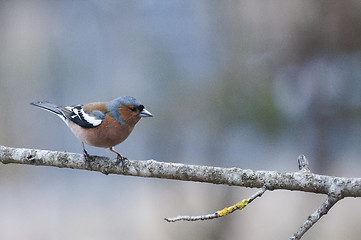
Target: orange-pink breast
110,133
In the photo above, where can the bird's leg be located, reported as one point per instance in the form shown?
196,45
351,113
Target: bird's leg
120,158
86,156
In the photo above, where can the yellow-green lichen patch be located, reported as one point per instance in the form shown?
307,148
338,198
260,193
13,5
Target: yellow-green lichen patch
228,210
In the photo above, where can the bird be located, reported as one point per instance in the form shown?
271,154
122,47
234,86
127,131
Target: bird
100,124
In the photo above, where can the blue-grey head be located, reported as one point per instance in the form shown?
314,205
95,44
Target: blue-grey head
127,110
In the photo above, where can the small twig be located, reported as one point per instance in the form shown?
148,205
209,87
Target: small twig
303,163
314,217
331,200
220,213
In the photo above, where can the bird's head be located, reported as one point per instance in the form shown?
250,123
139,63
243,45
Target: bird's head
127,110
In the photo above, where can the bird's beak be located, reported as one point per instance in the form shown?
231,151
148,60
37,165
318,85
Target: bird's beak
145,113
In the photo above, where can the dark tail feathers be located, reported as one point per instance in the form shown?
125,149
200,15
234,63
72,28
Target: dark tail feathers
48,106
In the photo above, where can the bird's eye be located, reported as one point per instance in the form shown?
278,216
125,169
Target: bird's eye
133,109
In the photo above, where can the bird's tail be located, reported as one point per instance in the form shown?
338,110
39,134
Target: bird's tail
49,107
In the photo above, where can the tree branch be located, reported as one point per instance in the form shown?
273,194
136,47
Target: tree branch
303,180
300,180
312,219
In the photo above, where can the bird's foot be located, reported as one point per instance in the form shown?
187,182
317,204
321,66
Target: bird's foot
87,159
122,159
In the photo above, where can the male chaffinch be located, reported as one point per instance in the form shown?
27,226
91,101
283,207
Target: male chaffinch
100,124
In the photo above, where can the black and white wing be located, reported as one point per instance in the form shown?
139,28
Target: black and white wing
84,119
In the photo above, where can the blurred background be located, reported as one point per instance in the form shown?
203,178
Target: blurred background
249,84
